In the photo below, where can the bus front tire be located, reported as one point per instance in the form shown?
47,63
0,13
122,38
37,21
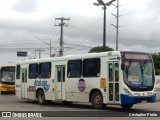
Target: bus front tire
126,106
97,100
41,97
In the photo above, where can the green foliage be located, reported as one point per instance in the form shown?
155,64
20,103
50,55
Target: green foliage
156,60
100,49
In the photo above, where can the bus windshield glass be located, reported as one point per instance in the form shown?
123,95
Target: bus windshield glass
8,75
139,72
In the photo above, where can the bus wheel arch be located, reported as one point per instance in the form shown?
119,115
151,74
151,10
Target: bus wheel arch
40,95
96,99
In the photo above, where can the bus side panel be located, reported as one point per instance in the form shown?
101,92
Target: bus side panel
49,89
78,89
72,92
31,89
18,88
46,84
104,77
31,95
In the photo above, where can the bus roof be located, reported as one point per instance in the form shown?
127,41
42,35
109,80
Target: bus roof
7,66
71,57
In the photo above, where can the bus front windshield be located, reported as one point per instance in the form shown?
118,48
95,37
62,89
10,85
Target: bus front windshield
139,74
8,76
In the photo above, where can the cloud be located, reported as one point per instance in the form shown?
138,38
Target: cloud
26,6
81,28
138,30
31,26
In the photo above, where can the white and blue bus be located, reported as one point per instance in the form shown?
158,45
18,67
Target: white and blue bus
121,78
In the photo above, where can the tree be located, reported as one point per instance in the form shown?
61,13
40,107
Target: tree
100,49
156,61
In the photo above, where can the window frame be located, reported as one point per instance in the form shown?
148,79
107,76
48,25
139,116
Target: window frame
35,72
69,69
48,72
18,72
97,71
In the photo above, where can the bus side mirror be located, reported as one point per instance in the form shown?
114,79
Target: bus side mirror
123,67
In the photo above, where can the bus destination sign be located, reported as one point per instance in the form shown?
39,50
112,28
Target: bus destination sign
137,56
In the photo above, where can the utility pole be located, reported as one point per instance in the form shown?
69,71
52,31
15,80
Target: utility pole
49,44
39,52
117,26
104,28
50,48
61,24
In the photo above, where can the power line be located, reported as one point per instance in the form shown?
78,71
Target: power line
139,11
138,22
135,1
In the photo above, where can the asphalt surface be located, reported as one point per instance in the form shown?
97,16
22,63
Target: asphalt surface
9,102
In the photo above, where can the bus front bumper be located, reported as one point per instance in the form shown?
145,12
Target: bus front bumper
125,99
6,88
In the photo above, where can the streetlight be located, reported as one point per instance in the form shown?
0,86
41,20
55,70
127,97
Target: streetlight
100,2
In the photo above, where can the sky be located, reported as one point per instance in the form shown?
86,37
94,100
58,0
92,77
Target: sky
29,25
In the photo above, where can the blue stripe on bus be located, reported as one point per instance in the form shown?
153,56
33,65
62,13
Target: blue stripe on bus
125,99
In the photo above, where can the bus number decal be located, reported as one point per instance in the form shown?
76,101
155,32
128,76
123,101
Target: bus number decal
81,85
42,83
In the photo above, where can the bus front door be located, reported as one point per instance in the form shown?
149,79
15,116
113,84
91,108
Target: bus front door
60,83
24,83
113,75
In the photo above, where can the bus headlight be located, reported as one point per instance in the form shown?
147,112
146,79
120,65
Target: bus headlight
127,92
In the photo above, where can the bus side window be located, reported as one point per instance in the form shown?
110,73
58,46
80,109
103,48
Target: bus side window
33,71
74,68
45,70
69,74
91,67
18,68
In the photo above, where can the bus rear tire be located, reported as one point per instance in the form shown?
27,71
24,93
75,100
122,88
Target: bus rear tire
41,97
97,100
126,106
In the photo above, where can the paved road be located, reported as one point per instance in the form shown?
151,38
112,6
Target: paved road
9,102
